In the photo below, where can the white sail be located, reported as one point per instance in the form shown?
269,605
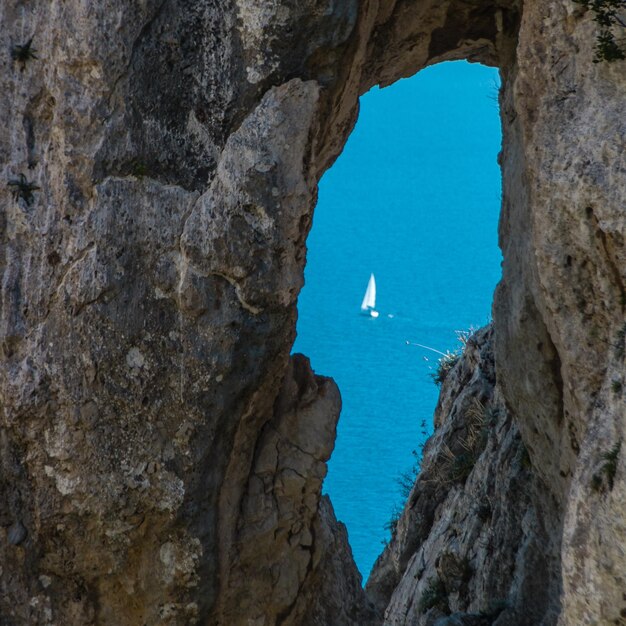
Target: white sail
369,300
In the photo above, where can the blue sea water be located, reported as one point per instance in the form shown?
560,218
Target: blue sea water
413,198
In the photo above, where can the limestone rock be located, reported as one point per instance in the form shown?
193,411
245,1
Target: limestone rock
168,155
470,542
290,563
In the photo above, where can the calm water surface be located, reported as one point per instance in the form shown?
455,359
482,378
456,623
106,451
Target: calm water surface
413,198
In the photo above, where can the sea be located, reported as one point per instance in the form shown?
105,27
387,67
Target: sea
414,199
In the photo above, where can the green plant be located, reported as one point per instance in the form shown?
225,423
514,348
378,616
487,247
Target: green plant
455,466
451,467
494,608
608,469
620,346
406,480
606,15
138,168
392,524
616,386
435,596
22,188
23,53
607,49
610,463
492,416
449,358
462,466
477,422
444,366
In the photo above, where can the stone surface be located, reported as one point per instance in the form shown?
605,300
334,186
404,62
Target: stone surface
471,542
148,307
287,538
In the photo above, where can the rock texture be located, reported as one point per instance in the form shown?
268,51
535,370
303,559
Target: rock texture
287,538
471,546
159,450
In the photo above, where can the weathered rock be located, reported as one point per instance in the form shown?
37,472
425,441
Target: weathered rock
288,540
471,540
150,270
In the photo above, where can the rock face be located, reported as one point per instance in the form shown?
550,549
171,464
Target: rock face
472,541
287,539
160,453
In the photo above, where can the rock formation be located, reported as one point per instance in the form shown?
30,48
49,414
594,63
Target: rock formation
472,541
160,453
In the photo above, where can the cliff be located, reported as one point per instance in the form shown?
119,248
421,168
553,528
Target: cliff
475,541
161,453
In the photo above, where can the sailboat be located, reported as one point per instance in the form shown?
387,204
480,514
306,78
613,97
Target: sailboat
369,300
